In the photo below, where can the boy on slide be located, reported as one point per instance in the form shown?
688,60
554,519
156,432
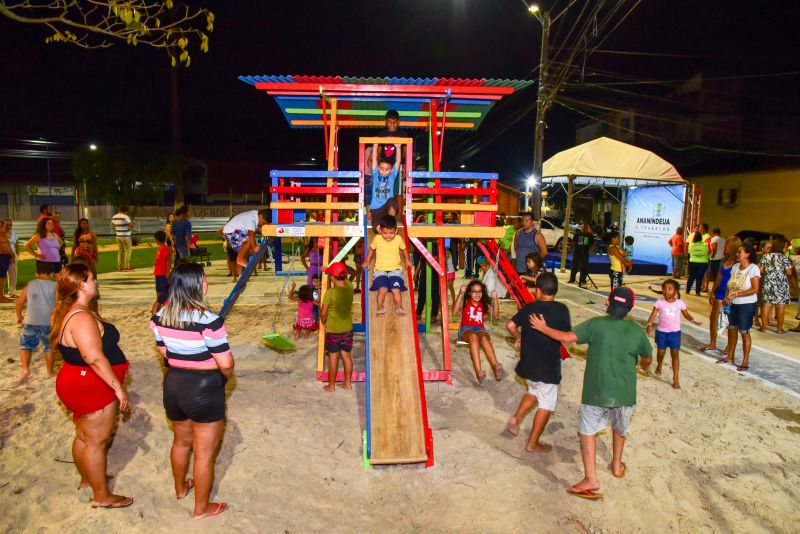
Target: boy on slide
240,233
388,248
609,382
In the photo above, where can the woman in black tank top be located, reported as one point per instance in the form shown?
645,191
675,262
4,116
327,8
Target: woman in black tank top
91,381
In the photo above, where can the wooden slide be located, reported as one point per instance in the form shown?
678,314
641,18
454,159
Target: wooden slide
396,418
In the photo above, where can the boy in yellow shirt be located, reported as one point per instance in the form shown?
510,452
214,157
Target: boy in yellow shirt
388,248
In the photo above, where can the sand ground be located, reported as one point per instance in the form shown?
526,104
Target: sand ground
722,454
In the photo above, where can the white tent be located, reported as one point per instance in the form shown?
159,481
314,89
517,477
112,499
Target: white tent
605,163
610,163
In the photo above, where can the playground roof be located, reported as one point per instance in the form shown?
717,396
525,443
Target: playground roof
363,102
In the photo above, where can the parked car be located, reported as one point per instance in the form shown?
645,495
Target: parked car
554,236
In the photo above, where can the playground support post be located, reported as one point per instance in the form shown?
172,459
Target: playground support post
567,215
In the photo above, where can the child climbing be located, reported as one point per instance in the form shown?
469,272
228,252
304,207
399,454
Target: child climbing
668,309
337,316
305,311
384,176
474,303
388,248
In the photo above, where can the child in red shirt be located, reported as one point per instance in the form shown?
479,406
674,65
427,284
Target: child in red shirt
474,303
161,270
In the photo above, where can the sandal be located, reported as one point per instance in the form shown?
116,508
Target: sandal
481,377
724,360
120,502
741,368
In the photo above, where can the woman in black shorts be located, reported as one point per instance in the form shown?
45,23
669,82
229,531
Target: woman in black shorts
194,343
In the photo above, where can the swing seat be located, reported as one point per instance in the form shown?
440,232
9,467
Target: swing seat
278,342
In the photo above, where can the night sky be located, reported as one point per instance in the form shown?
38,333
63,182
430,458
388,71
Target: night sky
121,94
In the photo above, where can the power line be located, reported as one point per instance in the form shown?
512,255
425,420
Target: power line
667,144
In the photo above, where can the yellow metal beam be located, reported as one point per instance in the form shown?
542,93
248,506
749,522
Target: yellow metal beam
386,140
426,206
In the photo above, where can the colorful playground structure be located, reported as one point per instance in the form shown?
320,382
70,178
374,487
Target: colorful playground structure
397,429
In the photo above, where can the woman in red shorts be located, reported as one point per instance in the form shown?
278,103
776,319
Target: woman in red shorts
91,381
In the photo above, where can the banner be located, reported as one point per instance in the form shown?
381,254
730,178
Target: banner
652,216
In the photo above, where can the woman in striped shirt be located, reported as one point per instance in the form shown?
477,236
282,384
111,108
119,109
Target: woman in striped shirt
194,343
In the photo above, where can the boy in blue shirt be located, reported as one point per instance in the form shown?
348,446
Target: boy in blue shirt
384,176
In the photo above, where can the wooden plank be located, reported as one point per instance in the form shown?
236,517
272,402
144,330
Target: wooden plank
321,230
397,433
453,230
426,206
314,205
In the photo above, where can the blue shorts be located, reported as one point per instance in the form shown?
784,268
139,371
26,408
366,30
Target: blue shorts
32,335
161,289
476,329
741,317
668,340
390,280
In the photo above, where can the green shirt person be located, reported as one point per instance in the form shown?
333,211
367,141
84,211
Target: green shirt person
336,313
609,381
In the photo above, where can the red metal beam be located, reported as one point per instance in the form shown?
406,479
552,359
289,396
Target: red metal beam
315,190
330,88
452,191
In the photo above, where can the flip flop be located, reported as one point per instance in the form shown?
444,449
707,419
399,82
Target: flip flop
588,494
481,377
624,470
724,360
707,348
742,368
189,488
119,502
221,507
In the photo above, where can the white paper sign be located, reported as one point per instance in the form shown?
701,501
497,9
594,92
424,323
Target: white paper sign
291,231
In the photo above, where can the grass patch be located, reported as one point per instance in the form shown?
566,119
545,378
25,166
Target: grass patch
142,257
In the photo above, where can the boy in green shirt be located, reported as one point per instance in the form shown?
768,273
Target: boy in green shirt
337,316
609,381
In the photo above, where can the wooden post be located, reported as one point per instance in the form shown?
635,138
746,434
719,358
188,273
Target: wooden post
326,254
567,215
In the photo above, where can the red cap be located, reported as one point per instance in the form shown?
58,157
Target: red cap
337,269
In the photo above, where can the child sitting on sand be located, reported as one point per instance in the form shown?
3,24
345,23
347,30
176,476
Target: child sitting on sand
540,359
337,316
668,332
535,266
609,381
305,310
474,303
388,248
37,299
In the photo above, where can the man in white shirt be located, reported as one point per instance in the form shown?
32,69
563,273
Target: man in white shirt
240,233
122,229
12,267
716,252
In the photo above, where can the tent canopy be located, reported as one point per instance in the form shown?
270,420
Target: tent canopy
610,163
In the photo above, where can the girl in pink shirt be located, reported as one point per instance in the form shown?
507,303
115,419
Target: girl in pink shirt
305,311
669,309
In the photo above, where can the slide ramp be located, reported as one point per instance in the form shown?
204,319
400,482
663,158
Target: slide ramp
397,423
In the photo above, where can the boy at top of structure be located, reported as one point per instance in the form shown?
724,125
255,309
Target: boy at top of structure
337,316
628,251
388,248
540,359
609,381
384,176
240,233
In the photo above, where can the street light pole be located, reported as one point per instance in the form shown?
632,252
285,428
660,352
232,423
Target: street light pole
542,104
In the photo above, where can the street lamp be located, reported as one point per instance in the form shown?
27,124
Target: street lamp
542,104
530,185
